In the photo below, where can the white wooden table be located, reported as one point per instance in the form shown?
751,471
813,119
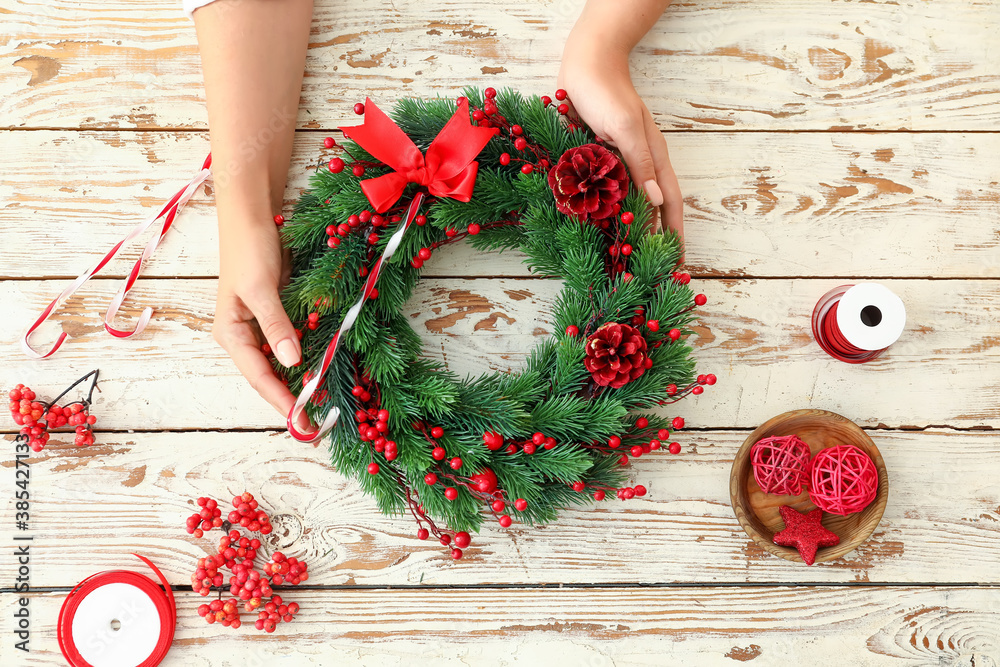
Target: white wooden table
818,142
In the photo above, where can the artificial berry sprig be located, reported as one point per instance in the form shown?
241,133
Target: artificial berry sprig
207,518
238,553
36,418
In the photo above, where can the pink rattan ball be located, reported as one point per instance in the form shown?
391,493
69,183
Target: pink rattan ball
780,464
843,480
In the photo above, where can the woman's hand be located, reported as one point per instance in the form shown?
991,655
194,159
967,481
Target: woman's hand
253,57
595,74
248,310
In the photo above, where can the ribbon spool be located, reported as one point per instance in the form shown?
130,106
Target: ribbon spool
117,618
857,323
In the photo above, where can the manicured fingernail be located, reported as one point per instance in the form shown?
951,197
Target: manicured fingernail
286,353
653,192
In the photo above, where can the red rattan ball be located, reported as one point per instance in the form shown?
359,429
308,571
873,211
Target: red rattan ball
843,480
780,464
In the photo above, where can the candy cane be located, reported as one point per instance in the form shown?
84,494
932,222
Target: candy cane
349,319
170,210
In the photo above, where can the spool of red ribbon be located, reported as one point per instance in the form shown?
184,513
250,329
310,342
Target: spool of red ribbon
857,323
117,618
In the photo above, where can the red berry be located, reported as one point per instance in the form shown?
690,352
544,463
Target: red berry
663,434
538,438
546,100
640,490
420,220
456,554
474,229
627,218
572,330
422,534
527,168
430,479
359,108
563,109
438,453
560,94
336,165
505,159
675,448
677,423
520,143
697,390
455,463
451,493
373,468
505,521
578,486
520,504
599,495
329,142
358,170
641,422
437,432
700,299
636,451
614,442
279,220
710,379
499,506
674,334
627,249
490,93
653,325
671,389
462,539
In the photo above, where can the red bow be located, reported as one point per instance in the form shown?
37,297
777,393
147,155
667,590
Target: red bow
448,170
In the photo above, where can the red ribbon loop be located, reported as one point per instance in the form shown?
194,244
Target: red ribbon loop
447,170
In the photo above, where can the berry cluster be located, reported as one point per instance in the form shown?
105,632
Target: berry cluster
238,553
36,418
209,517
373,425
248,515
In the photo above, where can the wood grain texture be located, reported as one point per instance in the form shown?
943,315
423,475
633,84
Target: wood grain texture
718,65
857,203
754,335
134,491
863,627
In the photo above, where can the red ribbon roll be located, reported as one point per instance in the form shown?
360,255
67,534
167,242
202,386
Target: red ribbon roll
162,598
827,332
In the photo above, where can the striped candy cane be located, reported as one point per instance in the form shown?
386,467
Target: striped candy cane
349,319
168,213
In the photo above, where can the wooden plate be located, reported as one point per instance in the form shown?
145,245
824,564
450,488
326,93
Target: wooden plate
757,511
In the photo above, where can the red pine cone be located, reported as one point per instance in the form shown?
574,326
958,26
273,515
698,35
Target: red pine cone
588,181
616,355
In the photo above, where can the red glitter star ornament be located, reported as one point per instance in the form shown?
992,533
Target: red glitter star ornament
804,532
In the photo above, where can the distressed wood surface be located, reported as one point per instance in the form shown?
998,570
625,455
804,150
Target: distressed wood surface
754,335
718,65
863,627
134,491
858,202
818,142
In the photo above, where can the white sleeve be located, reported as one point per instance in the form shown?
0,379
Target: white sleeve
191,5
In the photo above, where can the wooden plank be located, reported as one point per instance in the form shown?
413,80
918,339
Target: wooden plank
134,491
754,336
829,204
721,65
825,627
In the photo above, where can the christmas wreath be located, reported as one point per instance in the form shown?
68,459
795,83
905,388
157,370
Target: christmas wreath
504,171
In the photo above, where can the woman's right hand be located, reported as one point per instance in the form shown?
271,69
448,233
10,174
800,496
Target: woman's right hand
249,312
